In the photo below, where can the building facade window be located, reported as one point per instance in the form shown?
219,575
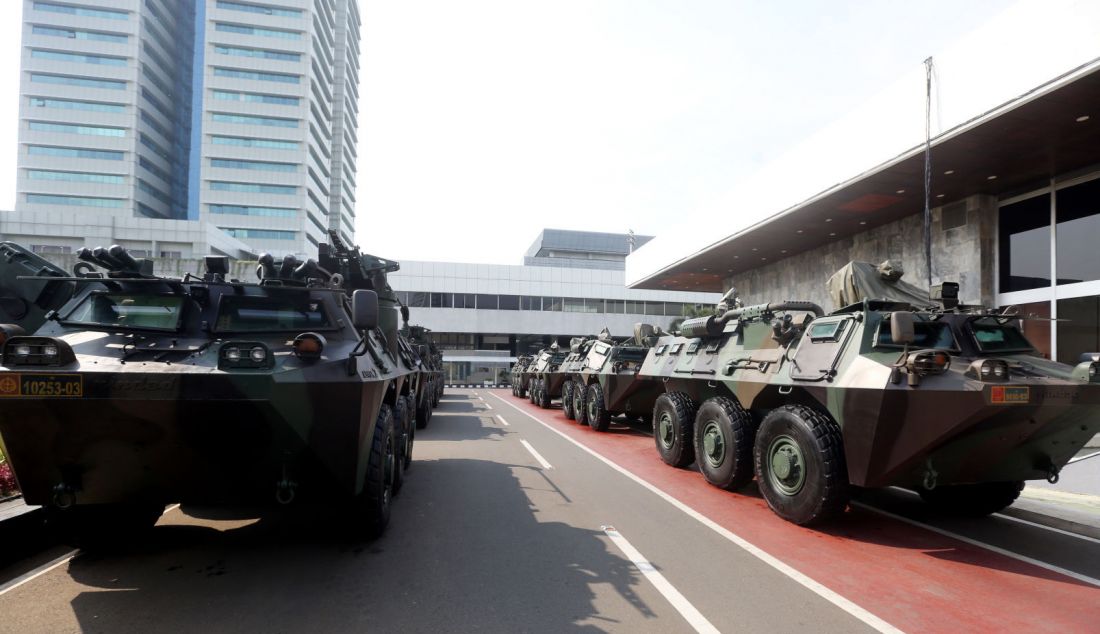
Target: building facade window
257,75
253,97
261,53
77,177
79,58
72,152
80,82
253,30
78,201
269,144
253,188
260,234
250,120
72,104
442,300
263,166
249,210
81,11
262,9
70,128
73,34
51,249
1062,220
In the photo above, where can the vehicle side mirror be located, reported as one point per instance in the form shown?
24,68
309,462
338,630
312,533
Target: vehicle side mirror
364,309
901,327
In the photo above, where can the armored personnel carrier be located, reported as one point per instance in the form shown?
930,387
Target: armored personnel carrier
896,388
606,383
519,386
431,373
138,390
574,361
546,380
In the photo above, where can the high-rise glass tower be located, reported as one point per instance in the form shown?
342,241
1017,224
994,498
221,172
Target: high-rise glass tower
240,116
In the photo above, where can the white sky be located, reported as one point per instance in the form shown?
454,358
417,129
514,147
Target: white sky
484,121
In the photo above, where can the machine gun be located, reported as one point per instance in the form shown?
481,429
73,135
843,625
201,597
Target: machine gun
357,270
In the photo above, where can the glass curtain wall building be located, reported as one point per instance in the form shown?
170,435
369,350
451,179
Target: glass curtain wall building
241,114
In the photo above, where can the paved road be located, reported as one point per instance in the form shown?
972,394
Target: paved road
515,519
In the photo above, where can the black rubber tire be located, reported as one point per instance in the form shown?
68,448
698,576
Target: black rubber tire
533,391
678,450
824,490
402,429
435,393
599,418
373,504
567,400
972,500
544,399
737,432
423,410
102,526
580,410
522,392
410,406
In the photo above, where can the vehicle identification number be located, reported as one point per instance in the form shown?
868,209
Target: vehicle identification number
1010,394
42,385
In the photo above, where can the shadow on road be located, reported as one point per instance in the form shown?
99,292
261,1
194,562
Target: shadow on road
465,552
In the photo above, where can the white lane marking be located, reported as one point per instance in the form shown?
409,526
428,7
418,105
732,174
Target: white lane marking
537,455
53,565
667,590
1052,529
487,406
813,586
989,547
38,572
1080,458
502,421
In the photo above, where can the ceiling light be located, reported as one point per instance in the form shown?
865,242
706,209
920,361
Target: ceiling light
799,231
833,233
736,256
828,220
991,178
754,248
705,268
1083,118
939,195
949,172
901,191
782,250
762,259
862,222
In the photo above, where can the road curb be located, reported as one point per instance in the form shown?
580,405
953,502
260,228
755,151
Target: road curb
21,530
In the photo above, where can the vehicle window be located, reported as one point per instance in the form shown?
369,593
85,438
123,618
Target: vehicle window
295,312
927,334
994,337
128,310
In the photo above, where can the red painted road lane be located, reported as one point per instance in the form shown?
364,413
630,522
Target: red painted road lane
916,580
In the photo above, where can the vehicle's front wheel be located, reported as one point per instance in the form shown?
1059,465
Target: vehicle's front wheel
673,421
544,399
567,400
800,467
533,391
973,500
724,434
373,504
402,432
598,416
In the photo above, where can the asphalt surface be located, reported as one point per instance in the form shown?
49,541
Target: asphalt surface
513,519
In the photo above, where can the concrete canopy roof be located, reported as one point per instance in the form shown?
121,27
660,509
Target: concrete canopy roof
1011,151
1006,100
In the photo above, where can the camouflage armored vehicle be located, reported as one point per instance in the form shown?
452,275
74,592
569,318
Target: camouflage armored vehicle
547,378
893,389
527,376
574,361
607,382
139,391
519,380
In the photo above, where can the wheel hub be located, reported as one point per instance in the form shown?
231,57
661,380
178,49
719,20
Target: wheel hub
714,445
665,430
788,471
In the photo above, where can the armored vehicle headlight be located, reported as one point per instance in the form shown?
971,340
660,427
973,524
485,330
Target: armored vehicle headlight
309,345
38,351
244,355
993,370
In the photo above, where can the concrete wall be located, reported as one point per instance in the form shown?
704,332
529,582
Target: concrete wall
963,254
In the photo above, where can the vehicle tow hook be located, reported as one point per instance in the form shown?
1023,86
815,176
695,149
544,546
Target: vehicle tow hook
1052,474
285,491
64,496
930,477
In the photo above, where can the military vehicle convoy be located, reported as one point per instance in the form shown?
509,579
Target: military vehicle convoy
519,374
546,380
123,391
606,383
574,361
432,371
896,388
